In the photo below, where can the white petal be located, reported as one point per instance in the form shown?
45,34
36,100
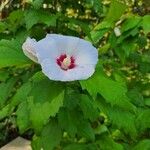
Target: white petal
53,45
83,51
86,53
79,73
46,49
65,44
29,49
54,72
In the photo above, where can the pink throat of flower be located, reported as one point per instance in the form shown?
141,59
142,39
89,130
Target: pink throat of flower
66,62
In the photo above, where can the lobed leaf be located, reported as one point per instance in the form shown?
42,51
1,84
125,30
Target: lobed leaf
11,54
113,92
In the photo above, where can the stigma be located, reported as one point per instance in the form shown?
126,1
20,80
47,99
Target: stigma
66,62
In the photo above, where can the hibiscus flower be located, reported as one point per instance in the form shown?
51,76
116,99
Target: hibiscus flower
63,58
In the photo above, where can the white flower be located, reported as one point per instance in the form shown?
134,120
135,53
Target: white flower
66,58
117,31
29,50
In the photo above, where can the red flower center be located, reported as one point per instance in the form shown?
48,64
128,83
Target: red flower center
66,62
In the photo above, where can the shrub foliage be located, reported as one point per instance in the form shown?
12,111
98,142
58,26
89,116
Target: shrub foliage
110,110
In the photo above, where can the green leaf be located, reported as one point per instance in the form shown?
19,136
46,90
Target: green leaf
49,138
67,122
23,117
88,107
117,8
15,16
128,35
145,24
97,35
11,54
143,121
128,47
76,146
51,89
113,92
121,119
120,53
142,41
103,25
100,129
96,5
36,143
2,26
20,99
40,112
145,58
3,75
46,103
107,143
37,3
33,17
104,49
85,130
147,101
15,19
136,97
72,98
21,94
130,23
73,123
142,145
5,111
37,77
84,26
5,90
125,49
